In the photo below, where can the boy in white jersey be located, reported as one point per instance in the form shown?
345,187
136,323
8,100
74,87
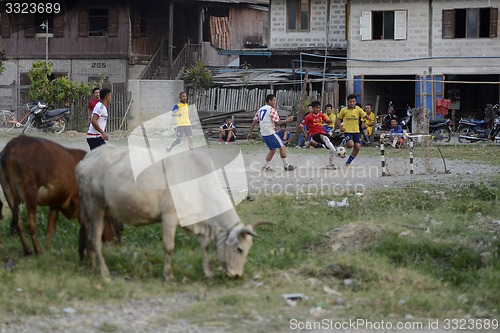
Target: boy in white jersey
96,136
268,118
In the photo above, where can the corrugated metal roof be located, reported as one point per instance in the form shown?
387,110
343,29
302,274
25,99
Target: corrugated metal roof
238,76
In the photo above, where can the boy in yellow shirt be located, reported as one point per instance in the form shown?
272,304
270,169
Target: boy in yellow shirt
328,128
367,124
350,117
181,113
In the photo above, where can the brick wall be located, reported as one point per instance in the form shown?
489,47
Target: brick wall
416,44
114,69
280,38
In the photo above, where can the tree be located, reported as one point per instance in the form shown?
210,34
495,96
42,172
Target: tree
2,59
59,91
198,77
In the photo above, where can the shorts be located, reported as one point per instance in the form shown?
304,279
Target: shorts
183,130
273,141
356,137
317,137
327,128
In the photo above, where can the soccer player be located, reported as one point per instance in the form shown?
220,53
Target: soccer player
268,118
350,117
181,113
314,121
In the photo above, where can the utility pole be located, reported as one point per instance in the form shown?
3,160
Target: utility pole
45,25
327,30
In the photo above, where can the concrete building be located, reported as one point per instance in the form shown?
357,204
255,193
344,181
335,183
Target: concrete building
454,45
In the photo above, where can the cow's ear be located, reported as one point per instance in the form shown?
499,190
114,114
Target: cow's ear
232,238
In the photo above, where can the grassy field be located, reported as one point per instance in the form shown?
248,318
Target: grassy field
414,252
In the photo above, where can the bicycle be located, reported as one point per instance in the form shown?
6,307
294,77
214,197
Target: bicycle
8,119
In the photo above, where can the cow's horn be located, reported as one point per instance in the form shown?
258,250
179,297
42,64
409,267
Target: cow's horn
256,224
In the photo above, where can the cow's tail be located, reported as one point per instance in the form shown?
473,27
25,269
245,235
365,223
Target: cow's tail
7,191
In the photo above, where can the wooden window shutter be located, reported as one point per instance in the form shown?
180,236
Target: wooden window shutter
58,30
113,19
137,24
493,22
83,23
448,23
400,24
29,26
365,28
5,30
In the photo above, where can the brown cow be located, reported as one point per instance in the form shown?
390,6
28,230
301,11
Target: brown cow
36,171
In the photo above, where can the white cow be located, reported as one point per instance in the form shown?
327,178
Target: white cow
107,186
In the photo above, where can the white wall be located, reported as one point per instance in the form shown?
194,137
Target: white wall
152,98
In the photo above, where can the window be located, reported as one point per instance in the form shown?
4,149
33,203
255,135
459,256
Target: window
98,22
383,25
298,15
470,23
25,81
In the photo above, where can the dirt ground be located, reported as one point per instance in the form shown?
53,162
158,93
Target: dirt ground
310,178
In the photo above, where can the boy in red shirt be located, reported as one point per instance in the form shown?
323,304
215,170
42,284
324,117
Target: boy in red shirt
314,122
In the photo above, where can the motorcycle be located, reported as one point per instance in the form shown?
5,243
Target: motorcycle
439,128
494,133
473,130
56,120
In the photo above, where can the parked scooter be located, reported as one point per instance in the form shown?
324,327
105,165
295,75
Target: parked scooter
495,131
473,130
56,120
440,129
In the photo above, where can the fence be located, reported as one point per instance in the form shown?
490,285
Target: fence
117,112
118,108
222,100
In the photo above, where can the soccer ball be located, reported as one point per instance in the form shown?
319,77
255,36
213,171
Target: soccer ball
341,152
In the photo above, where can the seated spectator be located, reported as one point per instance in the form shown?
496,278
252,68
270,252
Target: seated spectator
227,131
328,128
396,141
367,124
284,135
